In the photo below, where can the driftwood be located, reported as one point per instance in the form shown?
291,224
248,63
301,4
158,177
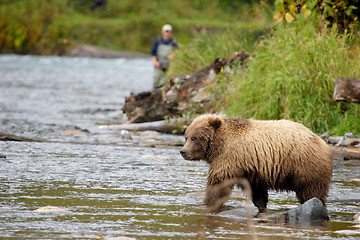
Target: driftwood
10,137
347,90
181,94
345,153
172,126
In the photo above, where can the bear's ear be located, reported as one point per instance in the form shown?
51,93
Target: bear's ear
215,122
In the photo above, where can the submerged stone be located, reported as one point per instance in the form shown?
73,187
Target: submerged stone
348,232
50,209
239,213
357,217
310,213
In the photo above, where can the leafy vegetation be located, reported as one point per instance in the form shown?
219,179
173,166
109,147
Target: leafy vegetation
56,26
337,13
32,27
296,54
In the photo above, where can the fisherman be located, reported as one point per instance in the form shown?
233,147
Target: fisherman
161,53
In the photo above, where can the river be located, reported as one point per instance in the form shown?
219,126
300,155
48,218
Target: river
107,184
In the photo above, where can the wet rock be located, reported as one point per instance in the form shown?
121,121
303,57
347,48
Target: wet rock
350,135
49,208
239,213
357,217
349,142
349,139
309,213
334,140
348,232
125,134
344,147
74,132
181,95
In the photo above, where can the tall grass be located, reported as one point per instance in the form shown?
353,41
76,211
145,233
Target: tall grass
292,76
207,46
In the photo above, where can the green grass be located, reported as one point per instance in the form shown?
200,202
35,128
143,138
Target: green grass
207,46
292,76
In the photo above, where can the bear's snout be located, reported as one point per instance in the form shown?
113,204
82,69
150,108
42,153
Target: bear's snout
183,154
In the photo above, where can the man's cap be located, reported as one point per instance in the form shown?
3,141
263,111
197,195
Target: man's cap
166,27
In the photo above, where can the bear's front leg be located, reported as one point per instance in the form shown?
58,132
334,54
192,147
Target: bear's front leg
216,195
259,197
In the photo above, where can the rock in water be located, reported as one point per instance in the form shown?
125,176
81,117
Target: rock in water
50,209
357,217
310,213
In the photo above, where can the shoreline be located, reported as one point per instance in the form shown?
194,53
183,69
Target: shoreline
85,50
93,51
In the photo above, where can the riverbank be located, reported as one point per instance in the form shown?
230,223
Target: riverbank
85,50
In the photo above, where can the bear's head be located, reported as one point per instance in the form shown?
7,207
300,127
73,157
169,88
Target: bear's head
199,136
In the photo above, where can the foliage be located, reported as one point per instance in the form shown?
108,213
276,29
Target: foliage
339,13
32,27
56,26
293,76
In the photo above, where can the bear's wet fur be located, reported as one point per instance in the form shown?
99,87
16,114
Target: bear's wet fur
279,155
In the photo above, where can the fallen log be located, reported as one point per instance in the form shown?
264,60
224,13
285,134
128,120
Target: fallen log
347,90
182,94
145,107
171,126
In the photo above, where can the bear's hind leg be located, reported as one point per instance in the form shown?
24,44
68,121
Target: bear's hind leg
260,197
307,192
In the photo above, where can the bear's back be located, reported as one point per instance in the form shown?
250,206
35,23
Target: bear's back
271,147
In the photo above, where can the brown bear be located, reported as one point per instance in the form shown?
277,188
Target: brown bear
278,155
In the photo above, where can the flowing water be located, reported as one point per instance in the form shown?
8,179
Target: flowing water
109,185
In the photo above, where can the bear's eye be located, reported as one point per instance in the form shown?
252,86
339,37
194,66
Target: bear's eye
193,138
